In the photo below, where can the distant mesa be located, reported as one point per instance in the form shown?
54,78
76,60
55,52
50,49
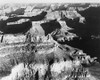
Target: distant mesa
19,11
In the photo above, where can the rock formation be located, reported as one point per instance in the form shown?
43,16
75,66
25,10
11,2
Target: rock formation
33,48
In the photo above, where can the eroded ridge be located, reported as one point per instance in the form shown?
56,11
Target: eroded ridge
42,60
37,53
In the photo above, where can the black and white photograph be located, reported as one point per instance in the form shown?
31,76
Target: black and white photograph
57,40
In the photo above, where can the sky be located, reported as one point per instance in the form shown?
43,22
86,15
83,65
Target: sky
48,1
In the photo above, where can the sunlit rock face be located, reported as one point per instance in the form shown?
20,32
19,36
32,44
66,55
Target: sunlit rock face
48,42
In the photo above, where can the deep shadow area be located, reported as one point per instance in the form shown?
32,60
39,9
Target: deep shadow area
91,27
22,27
32,18
50,26
4,73
15,28
89,46
39,16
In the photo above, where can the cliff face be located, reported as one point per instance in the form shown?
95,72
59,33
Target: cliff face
45,59
47,45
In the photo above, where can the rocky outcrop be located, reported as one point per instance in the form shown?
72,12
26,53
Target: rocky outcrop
41,53
43,59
